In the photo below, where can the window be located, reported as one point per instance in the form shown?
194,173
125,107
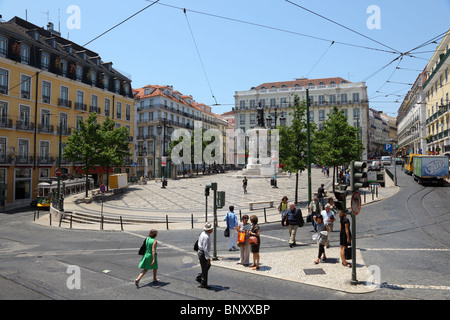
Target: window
64,66
272,102
252,104
22,151
24,54
78,119
3,46
3,147
356,113
64,97
332,98
79,73
119,110
252,118
107,107
45,120
46,91
344,98
242,104
106,81
3,114
24,117
79,103
283,102
262,102
128,112
242,119
4,75
93,77
321,115
44,151
94,103
356,97
45,60
63,119
311,115
321,99
25,87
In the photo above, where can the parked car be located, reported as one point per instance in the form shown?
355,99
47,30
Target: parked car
399,161
386,160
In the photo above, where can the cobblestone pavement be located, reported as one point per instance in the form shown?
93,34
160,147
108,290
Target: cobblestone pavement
183,202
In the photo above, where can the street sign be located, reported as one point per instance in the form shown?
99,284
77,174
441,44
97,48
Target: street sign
356,203
388,147
58,172
163,161
102,188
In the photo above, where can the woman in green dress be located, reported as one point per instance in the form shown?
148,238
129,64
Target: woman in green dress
150,259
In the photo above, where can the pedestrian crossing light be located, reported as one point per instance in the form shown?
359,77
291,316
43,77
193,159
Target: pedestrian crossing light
341,199
358,178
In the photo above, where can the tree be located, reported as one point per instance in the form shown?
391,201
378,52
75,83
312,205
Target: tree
83,145
113,146
338,143
293,142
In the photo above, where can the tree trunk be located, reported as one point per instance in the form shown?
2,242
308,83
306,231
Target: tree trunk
296,187
334,175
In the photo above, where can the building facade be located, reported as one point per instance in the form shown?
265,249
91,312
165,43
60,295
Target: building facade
411,120
47,85
277,99
436,90
160,110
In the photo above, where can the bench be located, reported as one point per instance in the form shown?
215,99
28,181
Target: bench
95,192
270,202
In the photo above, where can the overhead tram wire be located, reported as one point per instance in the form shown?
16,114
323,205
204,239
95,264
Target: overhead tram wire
319,59
341,25
279,29
97,37
200,58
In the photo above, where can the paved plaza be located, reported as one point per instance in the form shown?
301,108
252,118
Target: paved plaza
183,201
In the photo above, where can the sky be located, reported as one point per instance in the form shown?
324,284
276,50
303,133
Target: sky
216,48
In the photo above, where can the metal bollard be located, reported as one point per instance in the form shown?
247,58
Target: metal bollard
240,215
192,220
101,223
60,220
70,221
167,222
265,217
121,223
50,215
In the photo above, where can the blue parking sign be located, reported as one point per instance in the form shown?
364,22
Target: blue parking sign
388,147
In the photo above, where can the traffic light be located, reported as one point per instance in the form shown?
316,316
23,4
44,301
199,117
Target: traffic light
358,178
341,199
206,191
220,199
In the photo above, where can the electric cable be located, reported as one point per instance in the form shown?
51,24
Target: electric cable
319,59
199,57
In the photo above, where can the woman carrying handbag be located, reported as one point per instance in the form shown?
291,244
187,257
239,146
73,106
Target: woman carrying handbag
255,241
244,247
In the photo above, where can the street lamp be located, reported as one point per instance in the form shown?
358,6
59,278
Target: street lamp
161,128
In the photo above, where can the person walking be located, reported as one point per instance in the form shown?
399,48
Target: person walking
293,219
321,194
328,220
244,184
244,247
232,222
282,207
204,246
315,209
345,237
321,239
150,259
255,232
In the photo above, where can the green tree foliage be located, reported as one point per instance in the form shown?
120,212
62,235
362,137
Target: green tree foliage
293,141
338,142
97,145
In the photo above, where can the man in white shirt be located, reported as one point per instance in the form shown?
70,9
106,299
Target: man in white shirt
328,220
204,246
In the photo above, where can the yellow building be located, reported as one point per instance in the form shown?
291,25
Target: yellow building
47,85
437,89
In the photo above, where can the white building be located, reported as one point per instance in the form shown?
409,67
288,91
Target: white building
277,99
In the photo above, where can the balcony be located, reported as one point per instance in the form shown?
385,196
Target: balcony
80,106
5,159
24,125
6,123
24,160
64,103
45,160
64,131
45,128
95,109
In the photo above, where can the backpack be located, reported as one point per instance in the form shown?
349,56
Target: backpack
299,216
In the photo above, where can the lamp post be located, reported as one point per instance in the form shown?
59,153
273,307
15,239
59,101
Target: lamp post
162,128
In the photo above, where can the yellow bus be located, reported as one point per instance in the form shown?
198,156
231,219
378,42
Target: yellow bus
409,163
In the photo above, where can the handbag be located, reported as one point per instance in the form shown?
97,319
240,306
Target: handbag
196,245
253,240
226,233
348,253
143,248
241,237
308,218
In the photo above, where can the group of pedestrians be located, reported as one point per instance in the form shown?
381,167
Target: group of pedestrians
248,231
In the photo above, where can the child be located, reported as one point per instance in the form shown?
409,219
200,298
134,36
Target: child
321,239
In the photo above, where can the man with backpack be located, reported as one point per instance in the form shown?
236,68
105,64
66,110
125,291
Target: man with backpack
294,219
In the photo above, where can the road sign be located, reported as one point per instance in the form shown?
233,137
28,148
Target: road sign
388,147
58,172
102,188
163,161
356,203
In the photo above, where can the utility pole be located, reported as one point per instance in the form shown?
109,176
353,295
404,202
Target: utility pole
308,146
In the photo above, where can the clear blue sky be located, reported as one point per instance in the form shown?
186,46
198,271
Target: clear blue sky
156,46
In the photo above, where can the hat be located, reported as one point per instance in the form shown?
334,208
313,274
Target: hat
208,226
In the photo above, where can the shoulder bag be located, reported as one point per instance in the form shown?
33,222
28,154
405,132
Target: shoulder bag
226,233
252,239
143,248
